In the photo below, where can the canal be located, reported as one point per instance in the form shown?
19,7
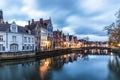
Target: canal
74,66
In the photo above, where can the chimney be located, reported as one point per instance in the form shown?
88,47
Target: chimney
29,22
41,20
6,22
32,20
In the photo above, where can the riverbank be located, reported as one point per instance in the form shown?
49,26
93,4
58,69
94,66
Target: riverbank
116,50
42,54
28,55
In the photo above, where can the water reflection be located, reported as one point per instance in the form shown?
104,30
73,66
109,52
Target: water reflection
114,67
75,66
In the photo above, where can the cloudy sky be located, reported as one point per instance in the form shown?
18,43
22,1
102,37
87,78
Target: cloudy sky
76,17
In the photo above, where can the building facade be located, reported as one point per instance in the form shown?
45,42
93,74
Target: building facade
58,39
43,32
14,38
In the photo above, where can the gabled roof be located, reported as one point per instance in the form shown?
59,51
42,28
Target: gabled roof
6,28
46,21
42,24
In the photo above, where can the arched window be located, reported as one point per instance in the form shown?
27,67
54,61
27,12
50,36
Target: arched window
14,47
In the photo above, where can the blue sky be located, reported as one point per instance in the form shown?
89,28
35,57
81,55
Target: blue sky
76,17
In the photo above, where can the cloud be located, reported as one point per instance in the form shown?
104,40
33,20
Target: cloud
19,22
91,6
93,37
80,17
67,30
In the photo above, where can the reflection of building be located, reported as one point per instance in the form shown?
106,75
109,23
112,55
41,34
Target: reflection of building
14,38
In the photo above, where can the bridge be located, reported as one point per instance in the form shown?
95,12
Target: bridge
93,49
101,49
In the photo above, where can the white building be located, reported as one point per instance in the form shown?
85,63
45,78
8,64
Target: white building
14,38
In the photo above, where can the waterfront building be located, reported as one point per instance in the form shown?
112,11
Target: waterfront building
48,24
75,41
15,38
71,41
66,41
43,32
58,39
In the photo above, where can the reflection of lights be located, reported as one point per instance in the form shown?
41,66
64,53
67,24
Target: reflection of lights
106,51
85,51
81,55
68,55
92,51
111,54
111,58
73,54
64,56
46,63
98,51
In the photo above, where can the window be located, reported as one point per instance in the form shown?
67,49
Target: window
1,37
2,48
25,46
28,46
33,46
13,28
25,39
32,40
14,47
29,39
14,38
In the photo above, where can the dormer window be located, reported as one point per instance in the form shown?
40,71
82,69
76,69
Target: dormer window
14,27
29,32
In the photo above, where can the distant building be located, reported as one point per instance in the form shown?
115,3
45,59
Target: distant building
14,38
58,39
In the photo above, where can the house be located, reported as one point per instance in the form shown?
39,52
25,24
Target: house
15,38
57,39
43,32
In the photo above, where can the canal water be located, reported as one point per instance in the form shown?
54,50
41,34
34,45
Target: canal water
73,66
